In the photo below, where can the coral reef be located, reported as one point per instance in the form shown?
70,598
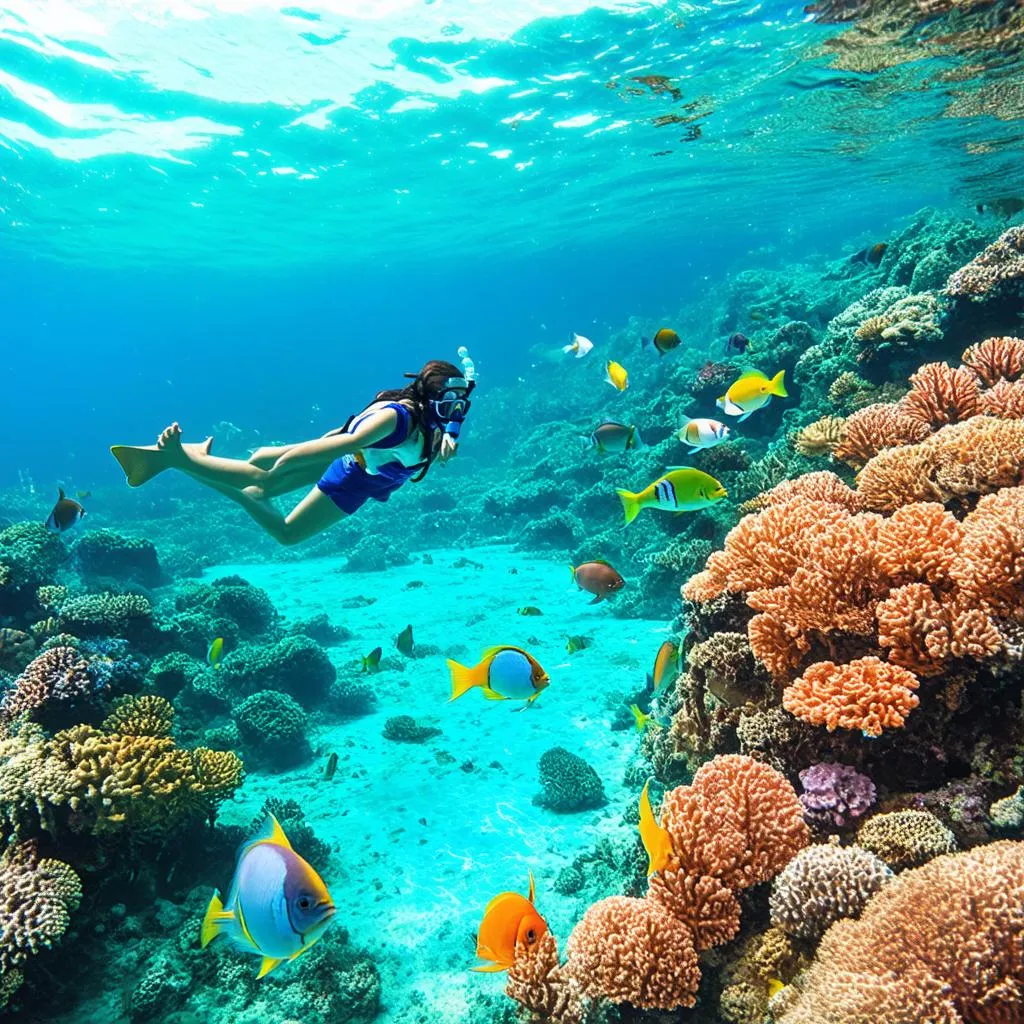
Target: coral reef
835,794
568,783
274,727
906,839
405,729
106,554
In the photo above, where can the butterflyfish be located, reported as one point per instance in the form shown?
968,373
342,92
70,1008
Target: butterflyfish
598,578
503,673
215,652
371,662
614,437
751,392
404,641
666,661
663,341
277,906
510,923
680,490
657,842
616,375
65,513
703,433
578,346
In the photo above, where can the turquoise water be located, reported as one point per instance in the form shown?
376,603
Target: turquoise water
249,219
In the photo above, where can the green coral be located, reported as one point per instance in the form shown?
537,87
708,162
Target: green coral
273,726
107,553
295,665
129,616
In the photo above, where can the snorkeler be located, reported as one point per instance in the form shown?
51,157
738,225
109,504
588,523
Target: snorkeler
396,438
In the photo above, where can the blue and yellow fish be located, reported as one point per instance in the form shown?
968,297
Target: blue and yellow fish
503,673
277,906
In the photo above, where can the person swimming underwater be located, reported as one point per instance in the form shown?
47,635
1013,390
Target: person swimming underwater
396,438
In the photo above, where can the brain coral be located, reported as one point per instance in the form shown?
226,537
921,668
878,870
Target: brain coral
274,726
568,783
867,694
821,884
37,898
940,943
633,951
906,839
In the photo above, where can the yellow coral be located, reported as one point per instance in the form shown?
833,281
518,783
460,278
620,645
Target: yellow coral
819,437
141,716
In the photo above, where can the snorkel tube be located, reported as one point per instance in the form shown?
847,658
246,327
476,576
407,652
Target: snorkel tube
451,408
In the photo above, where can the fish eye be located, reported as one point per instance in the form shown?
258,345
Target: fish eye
531,936
305,903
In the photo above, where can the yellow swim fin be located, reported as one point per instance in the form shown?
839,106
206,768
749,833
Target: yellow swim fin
630,504
139,463
214,920
269,963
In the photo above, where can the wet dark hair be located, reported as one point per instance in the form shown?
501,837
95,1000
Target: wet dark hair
425,385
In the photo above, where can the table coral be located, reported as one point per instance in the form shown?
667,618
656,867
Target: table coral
57,675
37,898
940,943
633,951
906,839
997,269
822,884
867,694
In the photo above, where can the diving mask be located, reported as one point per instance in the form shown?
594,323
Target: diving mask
451,406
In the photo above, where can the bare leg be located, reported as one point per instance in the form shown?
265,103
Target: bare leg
311,516
208,468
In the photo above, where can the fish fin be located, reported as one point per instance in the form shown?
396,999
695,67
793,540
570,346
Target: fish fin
490,968
489,652
630,504
464,678
533,888
777,385
139,463
597,600
306,948
650,682
268,964
746,416
60,493
214,920
492,694
639,717
269,832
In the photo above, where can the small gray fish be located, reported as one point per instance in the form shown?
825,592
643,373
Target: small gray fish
66,513
331,767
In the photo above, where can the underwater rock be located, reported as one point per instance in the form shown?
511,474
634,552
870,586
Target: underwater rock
105,553
404,729
569,783
273,726
835,794
822,884
321,629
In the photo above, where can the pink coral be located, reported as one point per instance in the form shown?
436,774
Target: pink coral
633,951
820,486
869,430
59,674
995,269
919,542
704,904
867,694
940,395
996,359
1005,399
990,571
940,943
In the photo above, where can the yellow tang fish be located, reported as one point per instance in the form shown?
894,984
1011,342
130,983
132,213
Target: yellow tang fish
666,660
657,842
277,907
751,392
616,375
680,490
510,923
503,673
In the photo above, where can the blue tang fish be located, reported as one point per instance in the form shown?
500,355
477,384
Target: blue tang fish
277,907
503,673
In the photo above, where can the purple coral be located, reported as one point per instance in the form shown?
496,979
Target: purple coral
835,793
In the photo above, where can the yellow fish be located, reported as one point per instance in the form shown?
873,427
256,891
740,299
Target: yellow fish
215,652
616,375
667,660
775,987
751,392
680,490
657,842
641,718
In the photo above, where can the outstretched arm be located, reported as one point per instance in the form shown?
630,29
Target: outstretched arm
332,446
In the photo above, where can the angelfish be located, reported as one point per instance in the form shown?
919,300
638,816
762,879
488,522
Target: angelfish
510,923
277,906
751,392
657,842
66,513
503,673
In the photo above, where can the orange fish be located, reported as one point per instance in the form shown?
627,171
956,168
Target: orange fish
510,922
657,842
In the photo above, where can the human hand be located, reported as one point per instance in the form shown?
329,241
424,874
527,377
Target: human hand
449,446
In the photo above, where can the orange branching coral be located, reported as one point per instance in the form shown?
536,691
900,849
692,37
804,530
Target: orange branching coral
919,542
867,694
990,571
978,456
1005,399
820,486
779,650
633,951
704,904
875,427
542,985
939,395
940,943
739,821
996,359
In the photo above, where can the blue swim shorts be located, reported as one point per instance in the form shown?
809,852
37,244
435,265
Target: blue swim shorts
349,486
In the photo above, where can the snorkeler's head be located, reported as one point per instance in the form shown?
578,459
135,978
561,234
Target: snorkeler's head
445,391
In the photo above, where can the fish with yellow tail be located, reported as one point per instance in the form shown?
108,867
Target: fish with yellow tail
503,673
641,718
616,375
511,924
751,392
657,842
578,346
681,489
277,906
